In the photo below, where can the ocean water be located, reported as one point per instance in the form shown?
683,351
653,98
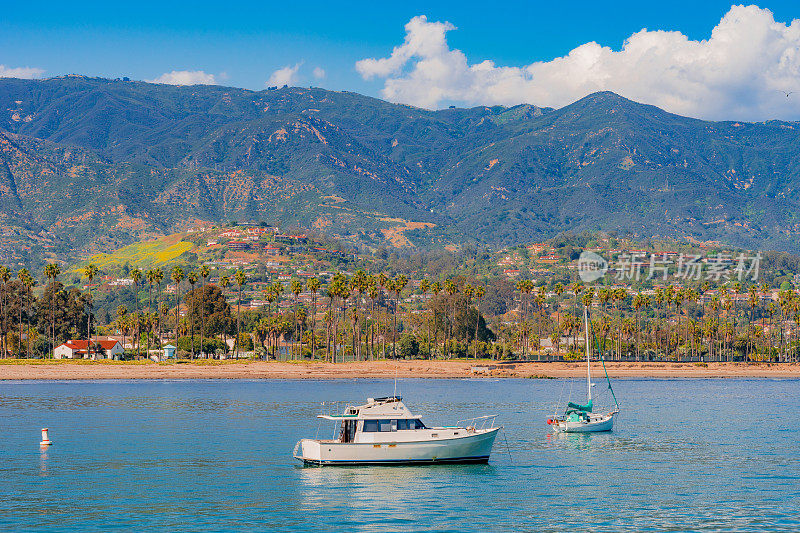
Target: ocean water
685,455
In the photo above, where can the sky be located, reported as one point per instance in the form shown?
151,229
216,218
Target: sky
708,59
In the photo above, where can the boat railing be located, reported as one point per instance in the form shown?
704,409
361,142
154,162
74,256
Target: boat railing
479,422
334,408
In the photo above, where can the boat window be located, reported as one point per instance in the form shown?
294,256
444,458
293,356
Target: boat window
412,423
386,425
370,426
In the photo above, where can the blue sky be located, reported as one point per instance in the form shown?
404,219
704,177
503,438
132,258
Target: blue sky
242,43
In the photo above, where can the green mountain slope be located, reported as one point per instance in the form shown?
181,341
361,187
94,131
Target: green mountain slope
86,164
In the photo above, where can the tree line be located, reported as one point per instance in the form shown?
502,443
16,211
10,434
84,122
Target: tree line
366,316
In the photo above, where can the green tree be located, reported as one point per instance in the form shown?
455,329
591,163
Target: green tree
409,347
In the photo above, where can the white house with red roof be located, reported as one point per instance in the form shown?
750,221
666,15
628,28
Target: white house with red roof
78,349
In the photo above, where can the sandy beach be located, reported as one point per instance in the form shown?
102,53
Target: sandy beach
74,370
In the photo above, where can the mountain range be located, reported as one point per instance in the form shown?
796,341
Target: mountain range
89,164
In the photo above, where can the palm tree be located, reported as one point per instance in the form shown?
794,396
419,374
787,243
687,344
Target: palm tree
587,299
122,311
559,290
525,287
240,278
224,283
22,275
313,286
344,294
737,288
29,283
296,287
374,292
619,296
359,284
399,284
51,272
89,272
479,294
162,317
277,289
450,288
192,279
382,280
150,276
203,275
5,276
638,303
436,288
424,287
669,298
136,276
540,300
327,318
158,277
753,302
177,276
468,291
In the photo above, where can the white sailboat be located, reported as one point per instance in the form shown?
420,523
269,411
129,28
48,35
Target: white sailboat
384,432
579,418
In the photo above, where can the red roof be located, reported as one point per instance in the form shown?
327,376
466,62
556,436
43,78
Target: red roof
75,344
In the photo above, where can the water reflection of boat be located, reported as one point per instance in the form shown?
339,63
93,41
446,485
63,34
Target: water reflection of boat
384,432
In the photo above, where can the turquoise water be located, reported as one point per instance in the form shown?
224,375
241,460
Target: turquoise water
686,455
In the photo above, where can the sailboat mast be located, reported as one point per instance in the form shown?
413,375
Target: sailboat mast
588,353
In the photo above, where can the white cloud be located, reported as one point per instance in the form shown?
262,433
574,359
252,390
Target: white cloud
185,77
737,73
20,72
319,73
285,76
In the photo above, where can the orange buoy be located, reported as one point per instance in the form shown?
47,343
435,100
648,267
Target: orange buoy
45,438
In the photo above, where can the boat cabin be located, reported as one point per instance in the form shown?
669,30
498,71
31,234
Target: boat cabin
379,420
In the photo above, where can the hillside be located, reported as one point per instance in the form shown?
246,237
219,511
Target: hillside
90,165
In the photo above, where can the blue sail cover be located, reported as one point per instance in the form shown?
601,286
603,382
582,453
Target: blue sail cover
578,407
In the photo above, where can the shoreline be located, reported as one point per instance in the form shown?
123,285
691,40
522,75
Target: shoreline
230,369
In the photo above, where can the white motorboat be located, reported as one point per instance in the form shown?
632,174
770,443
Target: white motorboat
579,418
384,432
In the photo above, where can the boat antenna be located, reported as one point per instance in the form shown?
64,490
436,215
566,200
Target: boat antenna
588,353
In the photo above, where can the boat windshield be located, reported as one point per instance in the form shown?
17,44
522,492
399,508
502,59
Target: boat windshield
373,426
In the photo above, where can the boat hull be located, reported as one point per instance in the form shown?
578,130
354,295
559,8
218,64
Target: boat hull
605,423
473,448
